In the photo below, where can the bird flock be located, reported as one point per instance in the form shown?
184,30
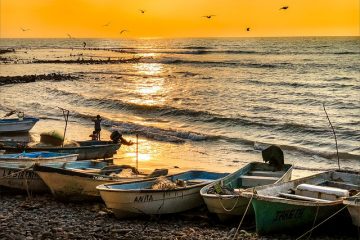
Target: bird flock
142,11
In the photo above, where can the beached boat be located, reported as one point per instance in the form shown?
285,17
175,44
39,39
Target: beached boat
41,157
301,203
16,169
353,205
140,197
227,203
17,125
20,176
77,181
86,150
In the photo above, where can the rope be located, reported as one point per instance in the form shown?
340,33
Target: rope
316,215
242,219
222,205
322,222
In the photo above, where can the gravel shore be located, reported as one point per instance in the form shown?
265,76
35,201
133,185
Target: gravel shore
42,217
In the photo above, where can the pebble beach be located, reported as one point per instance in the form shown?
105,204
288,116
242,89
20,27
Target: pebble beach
43,217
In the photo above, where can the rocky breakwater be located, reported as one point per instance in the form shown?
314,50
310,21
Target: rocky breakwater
4,80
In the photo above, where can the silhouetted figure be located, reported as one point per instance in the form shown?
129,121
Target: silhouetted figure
93,136
275,156
97,126
209,16
116,137
84,44
284,8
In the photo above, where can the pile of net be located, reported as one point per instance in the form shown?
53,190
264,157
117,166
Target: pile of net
125,173
220,189
163,183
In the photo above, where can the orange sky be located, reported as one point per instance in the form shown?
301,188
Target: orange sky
178,18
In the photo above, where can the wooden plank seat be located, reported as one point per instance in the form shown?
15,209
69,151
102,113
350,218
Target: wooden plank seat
277,174
253,181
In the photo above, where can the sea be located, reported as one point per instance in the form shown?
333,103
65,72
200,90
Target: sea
204,103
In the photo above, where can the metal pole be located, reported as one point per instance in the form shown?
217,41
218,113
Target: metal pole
66,117
137,151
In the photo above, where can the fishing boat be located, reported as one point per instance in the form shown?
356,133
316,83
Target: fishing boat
77,181
141,197
20,176
353,205
223,197
16,169
301,203
42,157
17,124
86,150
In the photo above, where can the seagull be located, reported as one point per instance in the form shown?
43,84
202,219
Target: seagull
209,16
248,29
124,30
142,11
25,29
284,8
106,25
84,44
69,36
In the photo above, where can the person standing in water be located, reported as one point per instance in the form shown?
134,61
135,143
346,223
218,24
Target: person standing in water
97,122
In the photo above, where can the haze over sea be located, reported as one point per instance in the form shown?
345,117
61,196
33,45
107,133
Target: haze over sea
198,103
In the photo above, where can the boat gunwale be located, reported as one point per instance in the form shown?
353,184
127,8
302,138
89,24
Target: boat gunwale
276,199
103,187
41,158
234,196
16,120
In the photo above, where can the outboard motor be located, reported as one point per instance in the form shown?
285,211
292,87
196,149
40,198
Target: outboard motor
275,156
115,136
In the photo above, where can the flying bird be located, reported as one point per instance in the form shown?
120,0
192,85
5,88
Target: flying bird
248,29
69,36
284,8
142,11
107,24
209,16
84,44
124,30
25,29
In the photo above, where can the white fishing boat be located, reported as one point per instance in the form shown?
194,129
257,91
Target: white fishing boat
299,204
223,197
16,170
77,181
353,205
17,124
140,197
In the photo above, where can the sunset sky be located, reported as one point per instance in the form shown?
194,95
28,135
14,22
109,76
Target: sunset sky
178,18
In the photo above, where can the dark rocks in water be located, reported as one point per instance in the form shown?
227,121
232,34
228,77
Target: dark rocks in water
33,78
92,61
275,156
8,50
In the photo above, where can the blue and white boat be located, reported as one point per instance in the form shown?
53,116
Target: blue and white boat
42,157
16,169
140,197
17,124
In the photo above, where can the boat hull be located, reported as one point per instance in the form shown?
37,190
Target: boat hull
282,217
87,150
24,180
353,206
228,207
152,203
16,125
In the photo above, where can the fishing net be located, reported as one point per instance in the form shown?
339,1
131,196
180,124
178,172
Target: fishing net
222,190
163,183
